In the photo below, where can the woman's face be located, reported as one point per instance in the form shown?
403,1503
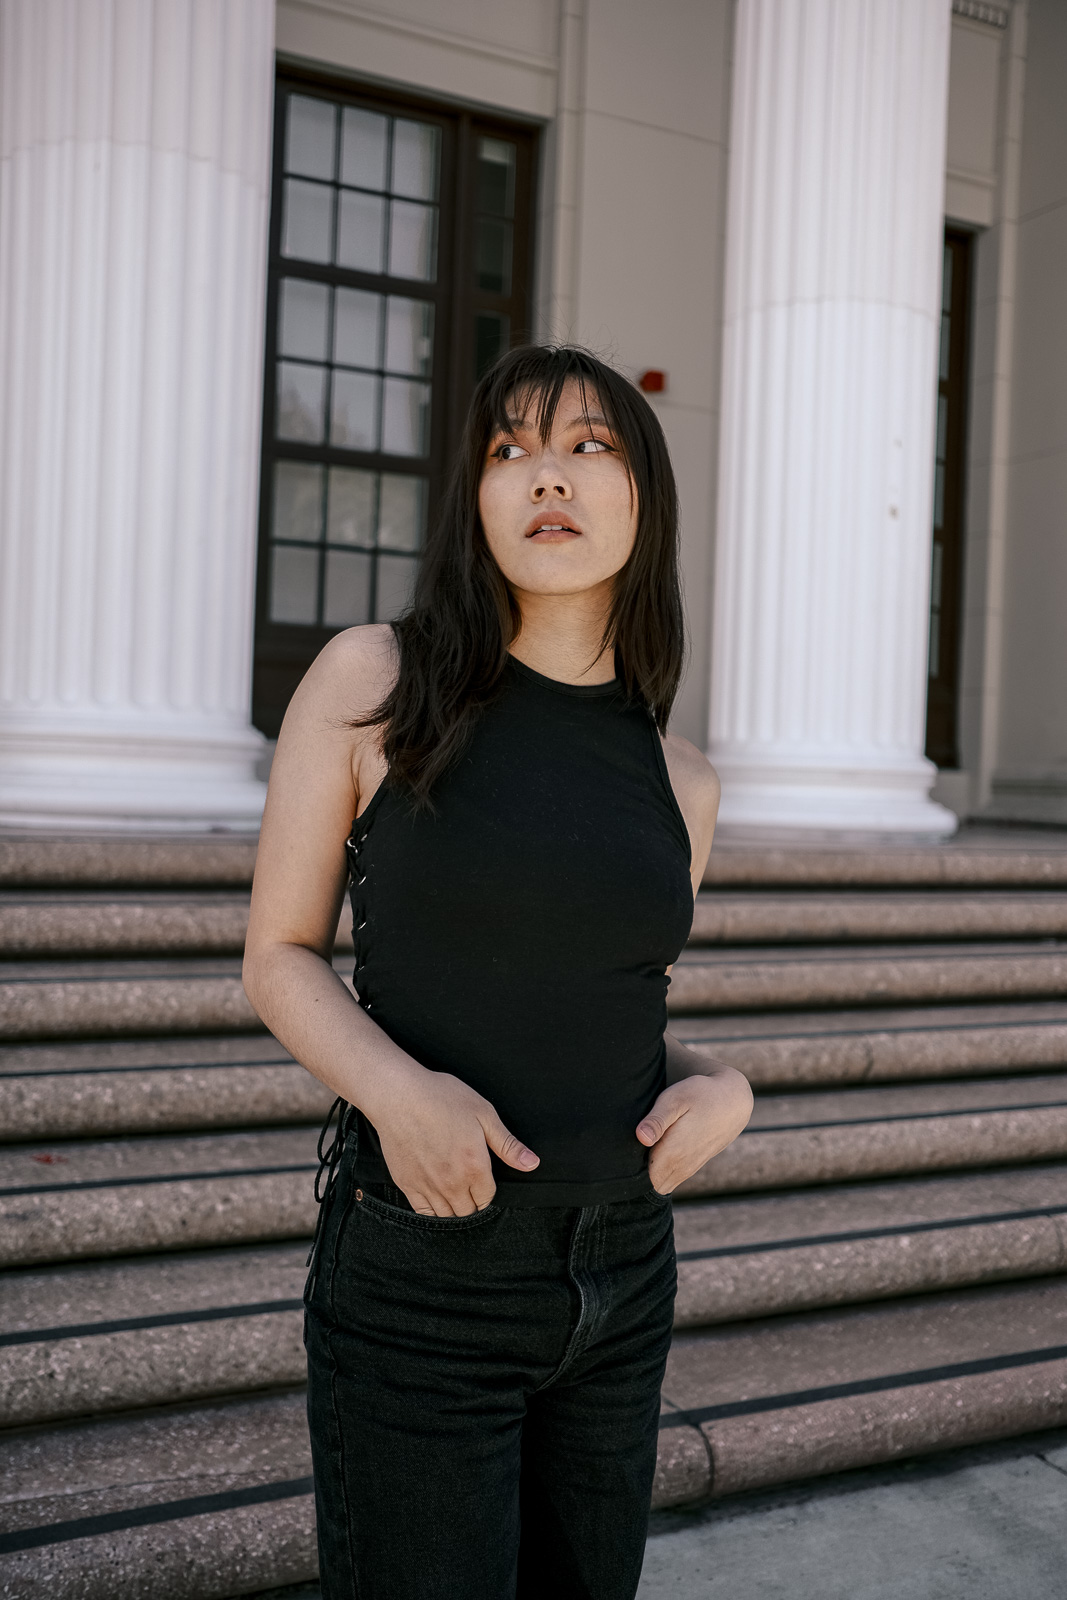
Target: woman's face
558,517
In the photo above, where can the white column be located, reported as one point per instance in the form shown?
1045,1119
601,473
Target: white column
819,648
134,171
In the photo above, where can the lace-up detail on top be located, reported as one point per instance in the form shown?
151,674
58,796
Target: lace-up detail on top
330,1153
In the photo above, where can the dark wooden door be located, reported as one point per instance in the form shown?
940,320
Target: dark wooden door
401,239
946,580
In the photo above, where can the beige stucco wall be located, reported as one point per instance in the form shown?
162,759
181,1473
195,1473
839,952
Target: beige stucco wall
971,147
984,142
1031,776
649,247
501,53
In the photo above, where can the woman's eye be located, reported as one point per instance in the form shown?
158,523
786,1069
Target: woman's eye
504,453
591,446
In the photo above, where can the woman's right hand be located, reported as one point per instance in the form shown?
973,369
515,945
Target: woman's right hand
436,1134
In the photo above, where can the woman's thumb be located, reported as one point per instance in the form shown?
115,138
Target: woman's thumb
507,1147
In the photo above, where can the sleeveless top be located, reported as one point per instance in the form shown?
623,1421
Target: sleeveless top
517,936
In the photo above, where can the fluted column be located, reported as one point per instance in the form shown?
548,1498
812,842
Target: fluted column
134,171
834,229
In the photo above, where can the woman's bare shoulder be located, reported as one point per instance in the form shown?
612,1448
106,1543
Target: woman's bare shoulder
350,676
690,769
696,788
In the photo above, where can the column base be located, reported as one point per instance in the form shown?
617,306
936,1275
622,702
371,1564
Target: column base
150,775
786,799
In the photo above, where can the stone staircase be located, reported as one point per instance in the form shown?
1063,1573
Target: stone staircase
877,1268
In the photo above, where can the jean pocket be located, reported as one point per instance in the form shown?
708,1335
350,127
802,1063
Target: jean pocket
654,1197
399,1216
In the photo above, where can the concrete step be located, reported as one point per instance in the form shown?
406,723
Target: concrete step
199,1503
213,922
853,1242
874,1172
93,861
71,999
116,1197
96,924
763,916
80,1089
769,1402
49,1000
112,1336
152,1331
784,978
41,1000
788,1049
836,1136
119,1086
975,858
212,1500
135,1196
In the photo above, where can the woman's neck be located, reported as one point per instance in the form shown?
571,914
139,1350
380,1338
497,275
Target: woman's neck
561,636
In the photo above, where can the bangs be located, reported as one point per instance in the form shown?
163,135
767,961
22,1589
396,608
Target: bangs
530,382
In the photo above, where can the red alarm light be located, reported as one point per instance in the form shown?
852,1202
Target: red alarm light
652,382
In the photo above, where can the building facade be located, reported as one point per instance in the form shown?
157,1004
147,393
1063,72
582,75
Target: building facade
254,255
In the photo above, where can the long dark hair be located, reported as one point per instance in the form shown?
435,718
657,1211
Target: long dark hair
454,637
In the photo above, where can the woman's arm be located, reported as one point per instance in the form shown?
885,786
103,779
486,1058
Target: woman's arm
436,1133
703,1109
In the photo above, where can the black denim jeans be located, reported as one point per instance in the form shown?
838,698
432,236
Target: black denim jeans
483,1396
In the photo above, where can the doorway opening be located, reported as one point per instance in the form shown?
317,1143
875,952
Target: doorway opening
401,249
946,578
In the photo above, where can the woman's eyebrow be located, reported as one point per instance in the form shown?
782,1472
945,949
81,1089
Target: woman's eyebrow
586,419
583,419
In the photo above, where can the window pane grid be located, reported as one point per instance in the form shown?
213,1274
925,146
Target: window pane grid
376,246
385,220
333,528
494,242
354,364
328,185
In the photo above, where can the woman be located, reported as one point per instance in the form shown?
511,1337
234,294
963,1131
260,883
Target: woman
490,1302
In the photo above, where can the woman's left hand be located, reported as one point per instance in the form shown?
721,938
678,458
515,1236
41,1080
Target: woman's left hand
691,1121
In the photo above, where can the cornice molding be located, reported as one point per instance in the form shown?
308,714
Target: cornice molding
349,12
982,11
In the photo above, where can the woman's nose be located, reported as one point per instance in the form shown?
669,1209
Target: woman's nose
545,485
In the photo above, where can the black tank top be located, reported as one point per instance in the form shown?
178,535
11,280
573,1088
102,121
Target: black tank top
517,937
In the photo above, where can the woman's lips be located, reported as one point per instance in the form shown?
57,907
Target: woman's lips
552,530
